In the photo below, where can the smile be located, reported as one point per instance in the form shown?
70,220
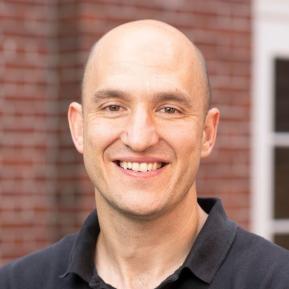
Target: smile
141,167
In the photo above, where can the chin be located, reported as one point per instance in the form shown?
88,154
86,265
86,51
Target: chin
137,203
140,211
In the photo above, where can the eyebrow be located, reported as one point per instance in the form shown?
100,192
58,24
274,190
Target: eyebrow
109,93
175,96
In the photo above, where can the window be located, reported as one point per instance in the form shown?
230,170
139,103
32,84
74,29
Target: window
270,121
281,153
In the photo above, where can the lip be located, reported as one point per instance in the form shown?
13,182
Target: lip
137,159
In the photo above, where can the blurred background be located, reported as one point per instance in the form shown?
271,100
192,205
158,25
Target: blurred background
44,192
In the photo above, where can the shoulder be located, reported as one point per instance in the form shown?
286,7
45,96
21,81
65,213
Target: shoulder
37,267
259,260
254,247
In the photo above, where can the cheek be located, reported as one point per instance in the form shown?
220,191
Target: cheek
100,134
184,139
98,137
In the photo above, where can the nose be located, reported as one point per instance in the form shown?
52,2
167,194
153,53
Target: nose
140,132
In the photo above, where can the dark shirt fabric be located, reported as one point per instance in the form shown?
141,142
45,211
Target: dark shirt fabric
224,256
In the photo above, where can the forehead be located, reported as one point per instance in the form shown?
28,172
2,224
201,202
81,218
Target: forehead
146,47
143,60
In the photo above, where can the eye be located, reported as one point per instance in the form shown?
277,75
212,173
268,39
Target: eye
113,107
169,110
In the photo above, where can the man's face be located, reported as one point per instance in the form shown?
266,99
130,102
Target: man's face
143,129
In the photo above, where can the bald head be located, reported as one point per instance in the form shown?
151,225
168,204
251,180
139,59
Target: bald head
148,44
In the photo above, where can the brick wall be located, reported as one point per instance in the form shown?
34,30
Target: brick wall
28,142
44,193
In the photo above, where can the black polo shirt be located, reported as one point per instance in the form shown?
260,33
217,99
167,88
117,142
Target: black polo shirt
224,256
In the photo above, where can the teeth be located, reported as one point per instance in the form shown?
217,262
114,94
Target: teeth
140,167
150,166
143,167
135,166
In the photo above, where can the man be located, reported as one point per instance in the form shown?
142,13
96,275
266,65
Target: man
143,126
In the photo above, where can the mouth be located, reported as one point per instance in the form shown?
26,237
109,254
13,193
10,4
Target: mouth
140,166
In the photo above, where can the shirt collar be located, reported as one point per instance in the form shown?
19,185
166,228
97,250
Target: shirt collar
204,259
213,242
82,254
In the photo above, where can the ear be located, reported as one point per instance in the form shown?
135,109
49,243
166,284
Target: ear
75,120
210,131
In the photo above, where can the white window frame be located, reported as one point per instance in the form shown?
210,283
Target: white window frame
270,41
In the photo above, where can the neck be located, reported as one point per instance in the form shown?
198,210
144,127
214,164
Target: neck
133,253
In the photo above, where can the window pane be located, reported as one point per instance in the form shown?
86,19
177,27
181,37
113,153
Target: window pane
281,183
282,95
282,240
